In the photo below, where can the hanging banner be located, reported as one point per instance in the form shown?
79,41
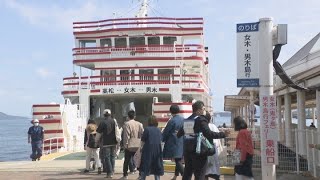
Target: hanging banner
248,55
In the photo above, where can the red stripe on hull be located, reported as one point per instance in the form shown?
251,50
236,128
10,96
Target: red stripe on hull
163,89
169,103
46,113
53,131
132,67
51,121
46,105
95,91
138,59
69,92
192,90
60,140
53,146
182,111
138,29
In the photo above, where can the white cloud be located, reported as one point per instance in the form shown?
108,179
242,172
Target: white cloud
55,17
44,72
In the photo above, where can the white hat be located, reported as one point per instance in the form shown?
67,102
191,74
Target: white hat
35,120
107,111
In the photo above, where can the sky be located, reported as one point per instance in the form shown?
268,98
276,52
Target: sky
37,40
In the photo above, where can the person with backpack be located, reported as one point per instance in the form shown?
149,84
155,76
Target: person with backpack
108,130
195,124
132,133
91,146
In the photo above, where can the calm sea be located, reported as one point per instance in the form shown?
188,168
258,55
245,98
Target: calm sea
14,139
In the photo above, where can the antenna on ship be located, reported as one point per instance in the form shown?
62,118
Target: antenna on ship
143,11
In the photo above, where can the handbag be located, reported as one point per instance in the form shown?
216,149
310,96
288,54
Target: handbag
204,147
117,131
236,157
134,144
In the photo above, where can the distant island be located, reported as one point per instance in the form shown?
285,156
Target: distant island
4,116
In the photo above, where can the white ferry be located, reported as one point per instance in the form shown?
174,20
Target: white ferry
145,63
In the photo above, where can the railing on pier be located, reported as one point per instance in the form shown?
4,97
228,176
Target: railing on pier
294,156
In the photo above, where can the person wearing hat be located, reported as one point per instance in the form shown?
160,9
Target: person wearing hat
91,146
107,129
35,137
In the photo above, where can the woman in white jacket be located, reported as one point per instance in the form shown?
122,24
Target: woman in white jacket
213,162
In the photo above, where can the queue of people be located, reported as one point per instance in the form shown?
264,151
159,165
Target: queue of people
180,138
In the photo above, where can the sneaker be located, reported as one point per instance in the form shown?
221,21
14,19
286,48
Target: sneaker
109,176
125,177
86,171
174,178
99,170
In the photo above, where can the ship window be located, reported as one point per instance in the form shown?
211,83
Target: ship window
105,43
120,42
164,74
87,43
145,74
136,41
126,74
109,75
169,40
153,40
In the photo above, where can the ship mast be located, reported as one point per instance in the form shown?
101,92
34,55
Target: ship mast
143,11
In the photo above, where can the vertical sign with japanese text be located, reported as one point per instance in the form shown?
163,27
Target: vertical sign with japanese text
248,55
268,124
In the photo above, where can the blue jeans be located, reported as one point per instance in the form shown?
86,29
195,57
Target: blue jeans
36,149
110,153
143,176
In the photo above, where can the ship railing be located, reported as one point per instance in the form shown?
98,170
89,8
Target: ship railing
188,50
96,82
161,22
53,144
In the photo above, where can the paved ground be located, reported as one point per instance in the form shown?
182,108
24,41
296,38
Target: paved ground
72,170
63,169
66,168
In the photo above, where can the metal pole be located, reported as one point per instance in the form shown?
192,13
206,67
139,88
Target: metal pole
266,85
313,153
318,119
297,149
306,135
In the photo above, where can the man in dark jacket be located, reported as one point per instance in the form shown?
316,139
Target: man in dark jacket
35,137
197,122
107,129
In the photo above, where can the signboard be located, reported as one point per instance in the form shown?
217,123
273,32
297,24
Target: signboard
130,90
268,124
248,55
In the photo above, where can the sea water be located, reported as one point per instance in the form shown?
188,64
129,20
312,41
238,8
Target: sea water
14,140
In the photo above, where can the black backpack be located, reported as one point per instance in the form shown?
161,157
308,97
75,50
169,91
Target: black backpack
92,141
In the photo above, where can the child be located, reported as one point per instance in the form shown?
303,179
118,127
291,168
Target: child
91,146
